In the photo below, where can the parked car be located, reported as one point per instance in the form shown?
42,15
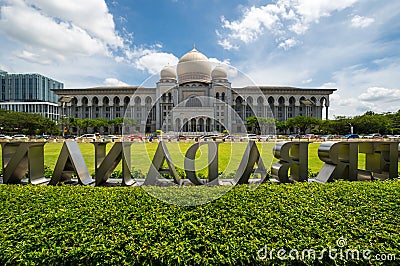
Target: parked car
91,137
309,136
180,137
228,138
110,138
351,136
373,136
69,137
266,137
135,137
43,136
5,137
327,137
248,137
20,137
394,137
208,137
294,136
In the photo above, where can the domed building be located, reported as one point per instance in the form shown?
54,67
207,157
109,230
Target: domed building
194,97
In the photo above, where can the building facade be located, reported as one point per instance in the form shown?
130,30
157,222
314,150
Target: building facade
31,93
195,97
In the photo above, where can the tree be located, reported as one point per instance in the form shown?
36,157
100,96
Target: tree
303,123
26,123
371,123
281,126
260,125
252,124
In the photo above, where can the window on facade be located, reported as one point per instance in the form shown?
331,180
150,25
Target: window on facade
289,109
193,102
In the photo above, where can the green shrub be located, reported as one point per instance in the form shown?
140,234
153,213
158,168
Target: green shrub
70,225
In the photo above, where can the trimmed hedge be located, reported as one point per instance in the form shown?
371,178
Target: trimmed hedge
71,225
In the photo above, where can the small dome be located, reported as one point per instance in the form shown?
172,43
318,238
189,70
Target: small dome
219,72
168,72
194,66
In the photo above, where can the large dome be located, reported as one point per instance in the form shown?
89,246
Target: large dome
194,66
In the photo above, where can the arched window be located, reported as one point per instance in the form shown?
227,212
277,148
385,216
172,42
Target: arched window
148,100
137,100
85,101
127,100
193,102
95,101
116,101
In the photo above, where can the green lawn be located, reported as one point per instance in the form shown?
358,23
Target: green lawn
230,155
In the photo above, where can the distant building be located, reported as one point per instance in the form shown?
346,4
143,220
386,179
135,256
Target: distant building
194,97
31,93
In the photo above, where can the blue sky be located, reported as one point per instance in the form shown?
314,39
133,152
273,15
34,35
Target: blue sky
351,45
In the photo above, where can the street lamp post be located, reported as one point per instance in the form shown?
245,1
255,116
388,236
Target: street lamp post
64,100
351,128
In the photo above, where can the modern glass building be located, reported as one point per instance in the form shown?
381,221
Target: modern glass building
29,93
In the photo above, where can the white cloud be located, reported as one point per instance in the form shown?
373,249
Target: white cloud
114,82
362,89
90,15
285,17
312,11
253,23
374,94
216,61
361,22
227,45
307,81
65,32
56,30
287,44
32,57
153,62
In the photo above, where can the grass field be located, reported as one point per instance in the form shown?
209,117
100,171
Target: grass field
229,158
